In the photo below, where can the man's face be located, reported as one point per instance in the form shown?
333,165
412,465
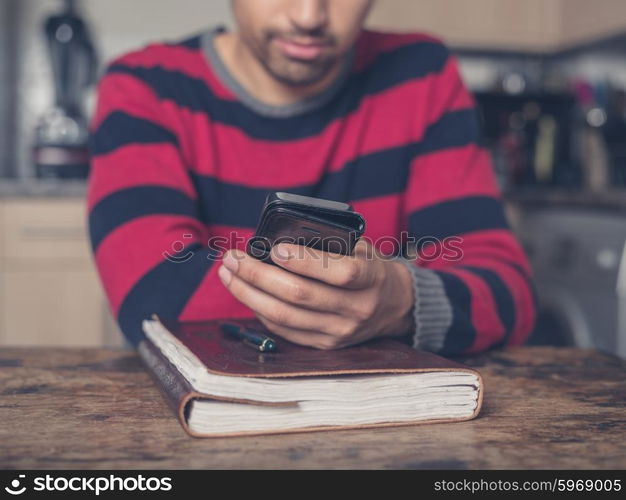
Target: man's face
299,41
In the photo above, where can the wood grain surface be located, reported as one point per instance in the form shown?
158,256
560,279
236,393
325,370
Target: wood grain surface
95,408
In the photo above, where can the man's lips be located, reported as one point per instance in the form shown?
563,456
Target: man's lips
301,49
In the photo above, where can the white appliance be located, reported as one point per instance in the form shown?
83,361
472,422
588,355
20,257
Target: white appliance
577,254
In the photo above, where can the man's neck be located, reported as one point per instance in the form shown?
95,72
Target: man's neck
251,74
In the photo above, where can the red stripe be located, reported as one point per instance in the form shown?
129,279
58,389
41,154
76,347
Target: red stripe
223,237
137,165
382,220
122,92
495,244
449,174
132,249
213,300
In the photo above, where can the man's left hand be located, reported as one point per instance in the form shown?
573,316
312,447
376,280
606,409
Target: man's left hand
321,299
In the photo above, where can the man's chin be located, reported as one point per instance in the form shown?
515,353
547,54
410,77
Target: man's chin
299,74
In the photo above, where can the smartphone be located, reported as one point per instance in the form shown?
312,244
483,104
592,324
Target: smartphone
331,226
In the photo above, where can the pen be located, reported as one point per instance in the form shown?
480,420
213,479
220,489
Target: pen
249,336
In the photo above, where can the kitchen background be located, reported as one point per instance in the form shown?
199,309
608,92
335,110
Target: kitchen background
549,76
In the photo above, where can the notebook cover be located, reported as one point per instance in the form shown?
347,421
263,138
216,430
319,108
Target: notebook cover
226,356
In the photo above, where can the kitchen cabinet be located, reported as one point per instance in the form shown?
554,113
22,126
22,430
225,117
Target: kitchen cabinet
50,293
531,25
583,21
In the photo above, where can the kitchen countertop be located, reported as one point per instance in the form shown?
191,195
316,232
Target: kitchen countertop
614,199
14,188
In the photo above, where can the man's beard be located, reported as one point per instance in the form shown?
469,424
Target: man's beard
293,72
298,73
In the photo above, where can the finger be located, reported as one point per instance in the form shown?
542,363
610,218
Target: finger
308,338
288,286
346,271
282,312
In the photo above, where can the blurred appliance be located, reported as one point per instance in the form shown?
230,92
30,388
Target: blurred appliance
615,133
530,137
577,253
61,138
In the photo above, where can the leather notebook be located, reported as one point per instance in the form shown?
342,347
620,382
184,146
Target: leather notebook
218,385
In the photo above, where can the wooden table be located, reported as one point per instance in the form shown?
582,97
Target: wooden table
98,408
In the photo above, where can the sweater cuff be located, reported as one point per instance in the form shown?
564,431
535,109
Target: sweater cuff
432,312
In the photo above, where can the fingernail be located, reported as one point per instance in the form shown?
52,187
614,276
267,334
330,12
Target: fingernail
225,275
283,252
230,262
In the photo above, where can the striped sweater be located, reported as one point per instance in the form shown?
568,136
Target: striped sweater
182,155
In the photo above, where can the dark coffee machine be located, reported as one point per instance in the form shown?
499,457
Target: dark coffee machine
61,139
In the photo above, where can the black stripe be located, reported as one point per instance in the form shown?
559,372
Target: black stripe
457,217
461,334
502,296
229,204
392,68
131,203
376,174
454,129
121,129
164,290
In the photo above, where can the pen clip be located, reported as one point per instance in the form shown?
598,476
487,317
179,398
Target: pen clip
266,345
253,337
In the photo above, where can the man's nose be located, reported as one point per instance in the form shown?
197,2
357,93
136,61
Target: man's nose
309,15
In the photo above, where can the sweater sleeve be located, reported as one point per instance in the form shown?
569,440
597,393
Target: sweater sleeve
147,235
472,280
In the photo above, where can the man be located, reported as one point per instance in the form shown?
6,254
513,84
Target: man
189,138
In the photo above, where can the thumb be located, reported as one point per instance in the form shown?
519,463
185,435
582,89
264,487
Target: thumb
364,248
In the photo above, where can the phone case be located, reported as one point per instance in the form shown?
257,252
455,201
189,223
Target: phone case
313,222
